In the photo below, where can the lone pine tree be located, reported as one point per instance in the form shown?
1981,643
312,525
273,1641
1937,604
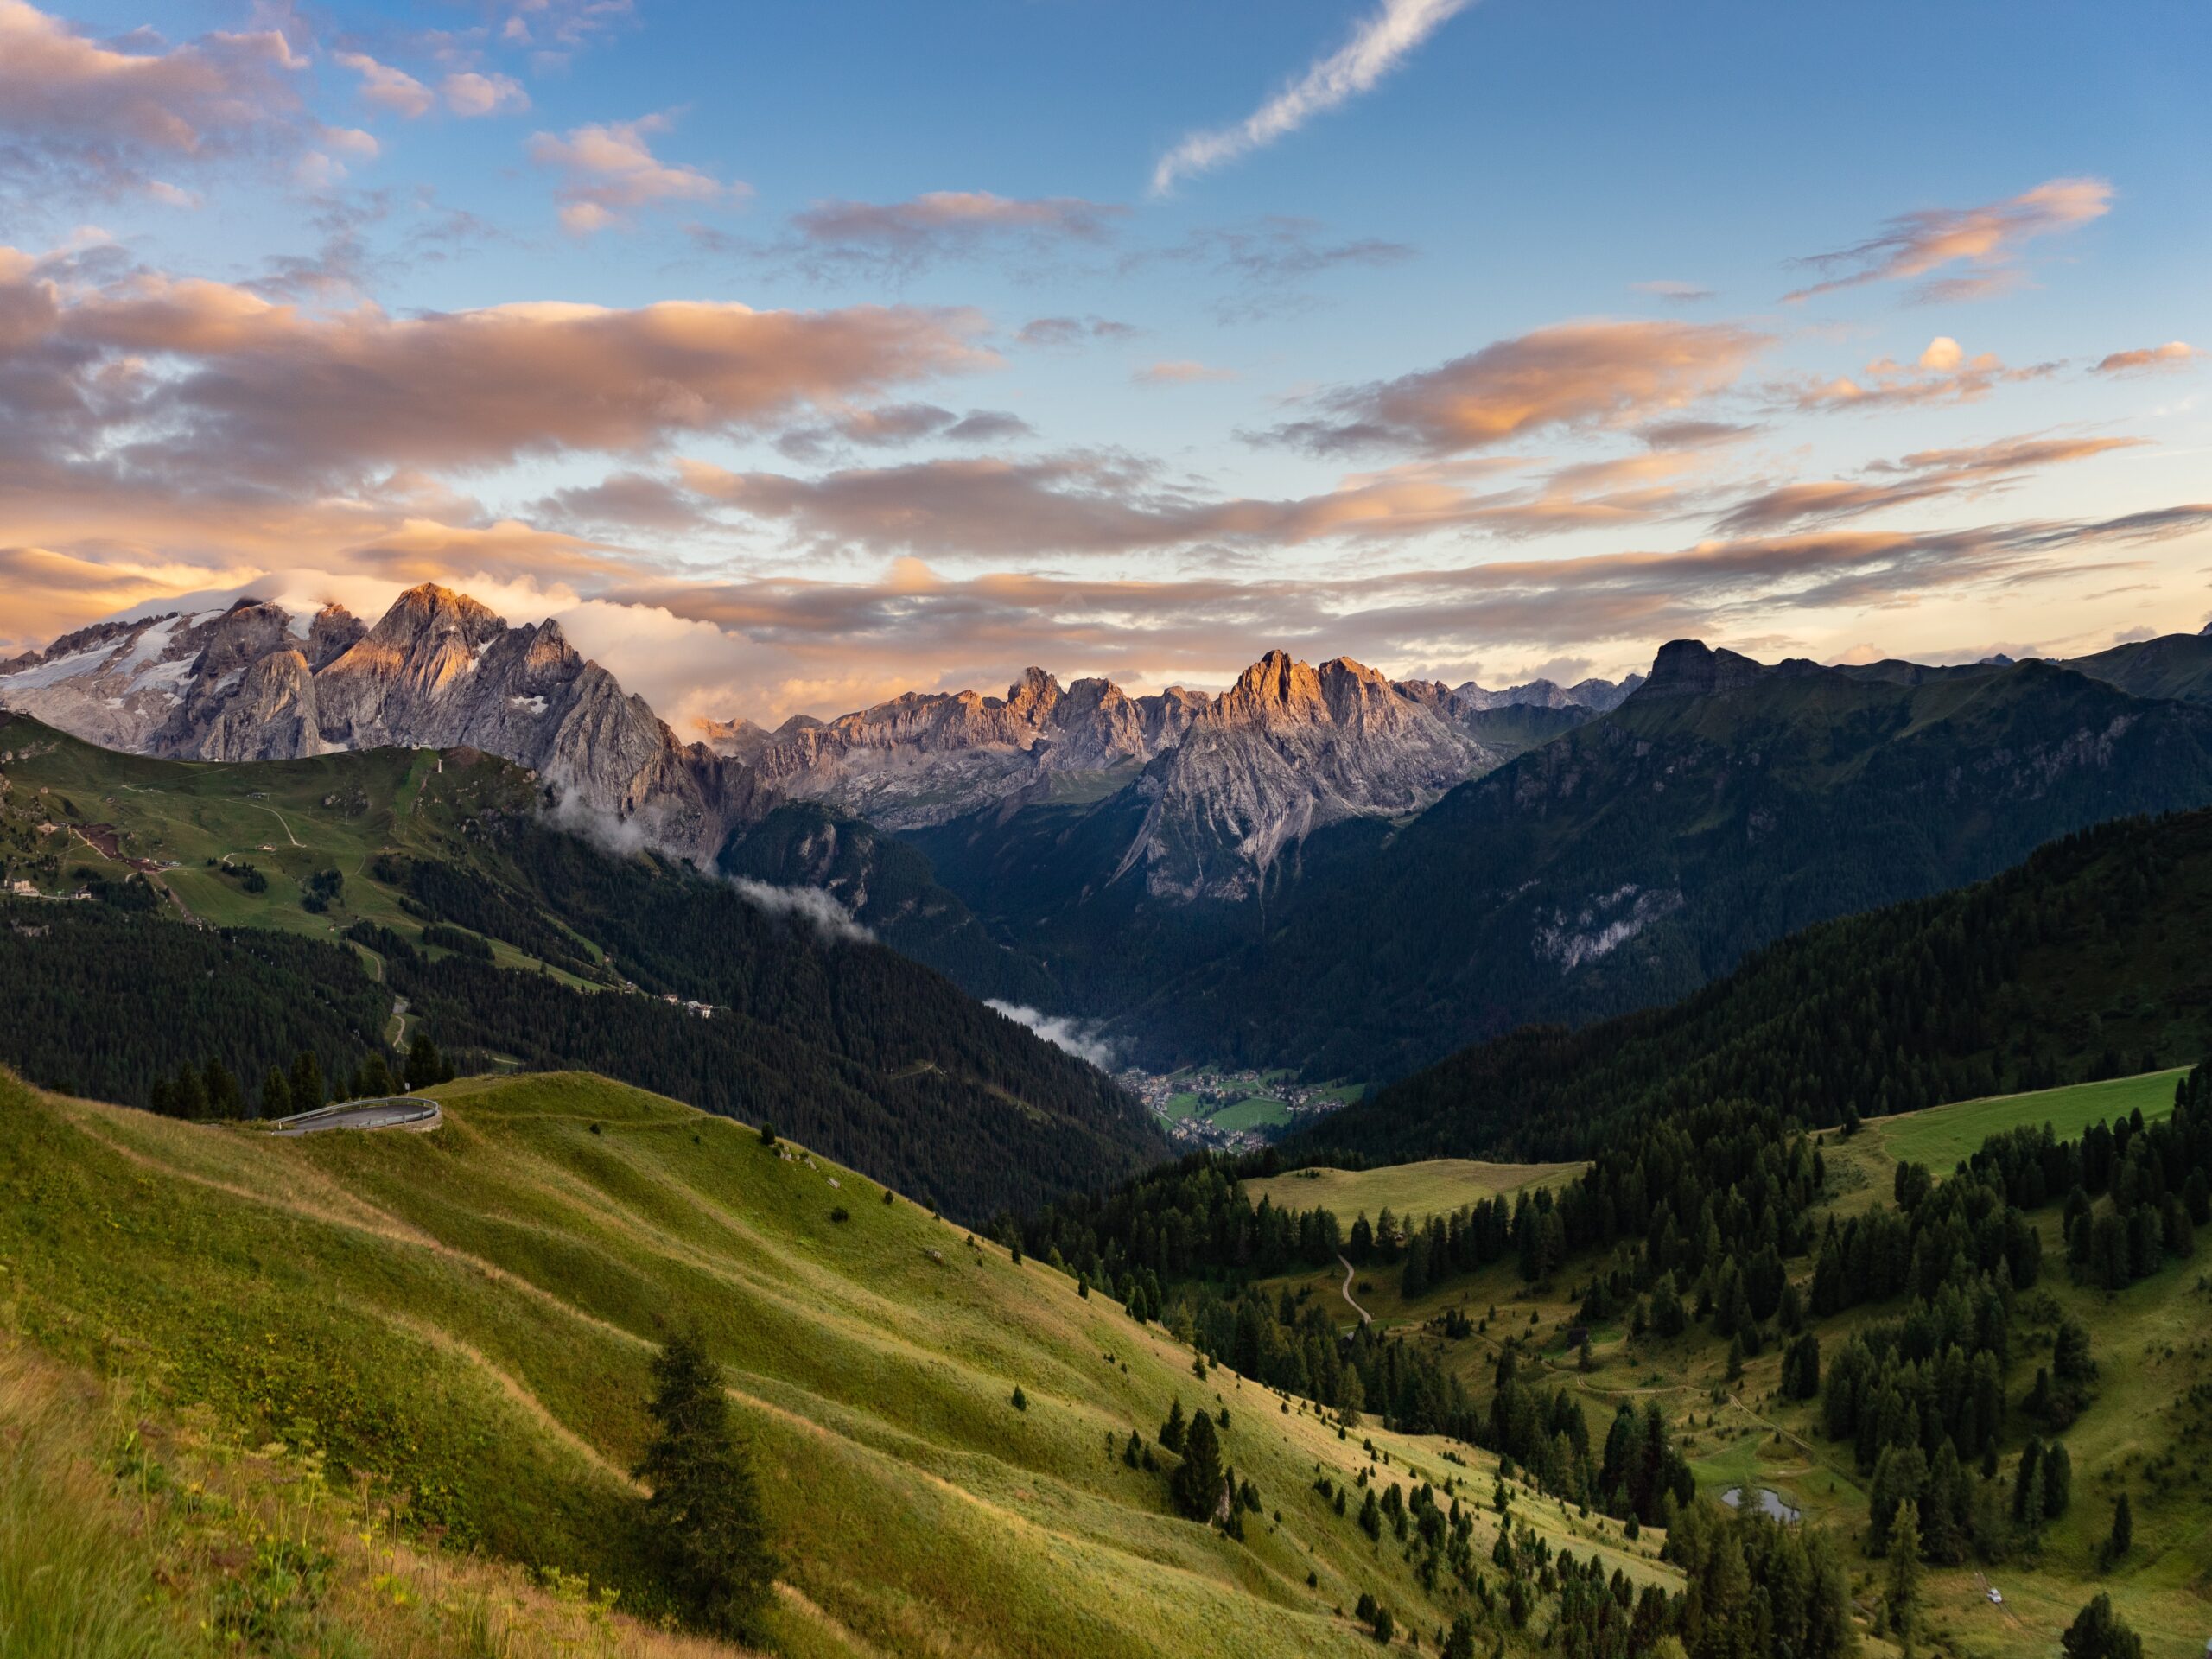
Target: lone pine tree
703,1519
1195,1483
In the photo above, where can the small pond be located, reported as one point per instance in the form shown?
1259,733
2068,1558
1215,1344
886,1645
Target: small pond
1769,1501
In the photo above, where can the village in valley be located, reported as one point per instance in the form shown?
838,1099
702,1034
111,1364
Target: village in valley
1230,1109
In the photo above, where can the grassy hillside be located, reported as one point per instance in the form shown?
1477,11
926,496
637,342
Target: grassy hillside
1942,1137
459,1323
1430,1187
2144,1430
2082,961
441,899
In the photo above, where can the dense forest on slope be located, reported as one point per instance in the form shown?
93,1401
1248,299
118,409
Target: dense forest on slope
515,942
99,1001
889,888
1624,863
2083,962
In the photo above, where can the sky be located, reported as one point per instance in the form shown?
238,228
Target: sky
797,355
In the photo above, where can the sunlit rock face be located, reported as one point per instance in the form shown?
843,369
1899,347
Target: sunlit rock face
1225,786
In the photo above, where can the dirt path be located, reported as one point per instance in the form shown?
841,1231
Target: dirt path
1365,1318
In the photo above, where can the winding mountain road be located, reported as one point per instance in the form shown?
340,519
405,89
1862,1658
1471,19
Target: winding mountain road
1365,1318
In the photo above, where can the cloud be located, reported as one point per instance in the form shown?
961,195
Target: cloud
895,425
1675,293
1266,260
101,115
1570,375
1942,374
898,238
387,88
2174,354
198,386
1379,44
1179,372
609,172
468,94
1053,332
1077,1037
1987,239
815,908
1102,503
1918,477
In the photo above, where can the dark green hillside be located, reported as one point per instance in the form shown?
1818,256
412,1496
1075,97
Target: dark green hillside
2084,962
509,941
2177,666
1636,858
890,889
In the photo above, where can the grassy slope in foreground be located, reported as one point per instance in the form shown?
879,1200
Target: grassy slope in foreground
1432,1187
2142,1433
467,1316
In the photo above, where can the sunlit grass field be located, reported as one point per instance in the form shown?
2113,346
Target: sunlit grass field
465,1318
1434,1187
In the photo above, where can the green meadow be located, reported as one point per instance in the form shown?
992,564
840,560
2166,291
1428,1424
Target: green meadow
462,1319
1434,1186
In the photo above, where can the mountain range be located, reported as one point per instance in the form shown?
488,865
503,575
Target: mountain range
1318,868
1231,781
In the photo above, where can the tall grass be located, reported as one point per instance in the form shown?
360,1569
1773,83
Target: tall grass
75,1576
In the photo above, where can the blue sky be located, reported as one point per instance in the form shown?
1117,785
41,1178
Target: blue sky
1482,365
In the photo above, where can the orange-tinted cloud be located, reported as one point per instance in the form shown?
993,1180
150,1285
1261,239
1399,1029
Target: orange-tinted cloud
1986,240
191,380
1572,375
1943,373
2174,354
1917,477
609,172
108,115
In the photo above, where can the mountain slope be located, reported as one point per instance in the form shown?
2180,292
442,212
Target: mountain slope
1640,854
446,887
463,1320
2082,961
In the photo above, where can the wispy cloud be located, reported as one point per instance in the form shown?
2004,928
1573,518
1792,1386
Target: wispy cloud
1915,478
1943,373
1377,46
1179,372
902,237
1986,240
2174,354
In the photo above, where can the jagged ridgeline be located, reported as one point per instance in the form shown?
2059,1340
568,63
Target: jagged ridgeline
345,904
2081,963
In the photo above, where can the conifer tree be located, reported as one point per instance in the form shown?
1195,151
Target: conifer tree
703,1519
2097,1632
1171,1433
1195,1483
2123,1529
307,1082
1904,1572
276,1094
425,1066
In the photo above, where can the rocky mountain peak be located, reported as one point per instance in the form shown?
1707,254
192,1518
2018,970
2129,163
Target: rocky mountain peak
1033,695
432,612
1690,668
